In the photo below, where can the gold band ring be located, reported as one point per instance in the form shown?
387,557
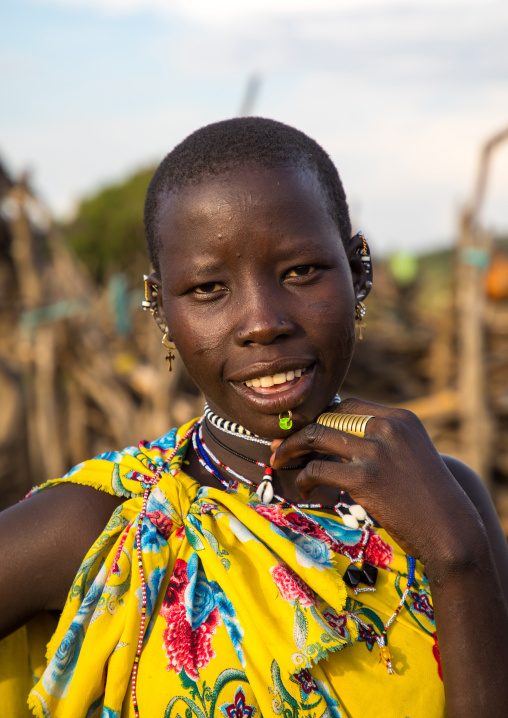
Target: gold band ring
350,423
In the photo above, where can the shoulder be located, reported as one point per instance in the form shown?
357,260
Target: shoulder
44,541
479,495
473,485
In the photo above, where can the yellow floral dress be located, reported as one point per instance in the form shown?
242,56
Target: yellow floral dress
241,607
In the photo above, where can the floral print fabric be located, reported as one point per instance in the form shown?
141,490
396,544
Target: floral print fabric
247,612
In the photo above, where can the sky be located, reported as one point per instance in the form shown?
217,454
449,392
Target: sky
402,95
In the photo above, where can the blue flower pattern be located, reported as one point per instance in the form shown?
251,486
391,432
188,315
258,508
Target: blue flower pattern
74,470
151,539
343,534
313,552
57,677
116,457
164,443
231,622
332,705
198,597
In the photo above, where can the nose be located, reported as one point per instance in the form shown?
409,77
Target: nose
262,320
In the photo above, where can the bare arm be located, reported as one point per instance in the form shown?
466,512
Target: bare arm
477,492
44,540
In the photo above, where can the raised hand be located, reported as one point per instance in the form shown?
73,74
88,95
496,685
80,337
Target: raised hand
396,474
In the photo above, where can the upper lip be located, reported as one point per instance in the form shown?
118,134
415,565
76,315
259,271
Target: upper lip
268,368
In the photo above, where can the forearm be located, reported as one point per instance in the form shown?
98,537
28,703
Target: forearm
472,628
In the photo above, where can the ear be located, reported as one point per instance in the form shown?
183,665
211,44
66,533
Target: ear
157,308
360,261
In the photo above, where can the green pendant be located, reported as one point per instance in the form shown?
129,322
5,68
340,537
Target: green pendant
285,422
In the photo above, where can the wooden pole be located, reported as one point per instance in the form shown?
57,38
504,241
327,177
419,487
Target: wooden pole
477,423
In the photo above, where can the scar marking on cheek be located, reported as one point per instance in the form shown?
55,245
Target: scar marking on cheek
205,350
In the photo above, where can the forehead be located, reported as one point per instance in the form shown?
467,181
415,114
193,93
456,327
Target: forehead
281,197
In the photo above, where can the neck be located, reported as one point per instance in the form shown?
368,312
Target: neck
239,450
226,449
217,440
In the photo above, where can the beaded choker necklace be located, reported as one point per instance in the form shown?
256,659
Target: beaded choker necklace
231,428
234,429
248,458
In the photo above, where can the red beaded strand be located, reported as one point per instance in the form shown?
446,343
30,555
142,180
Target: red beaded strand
143,605
151,481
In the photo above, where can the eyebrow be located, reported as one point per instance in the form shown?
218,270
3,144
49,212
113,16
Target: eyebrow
196,267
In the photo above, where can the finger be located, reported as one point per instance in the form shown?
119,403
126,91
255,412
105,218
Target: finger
316,437
344,477
359,406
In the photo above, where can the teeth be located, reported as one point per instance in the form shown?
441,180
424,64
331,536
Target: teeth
280,378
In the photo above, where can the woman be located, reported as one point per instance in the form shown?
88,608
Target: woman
204,595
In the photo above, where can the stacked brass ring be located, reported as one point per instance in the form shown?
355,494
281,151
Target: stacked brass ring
350,423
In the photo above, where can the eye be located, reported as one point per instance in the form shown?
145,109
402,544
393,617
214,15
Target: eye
209,288
302,270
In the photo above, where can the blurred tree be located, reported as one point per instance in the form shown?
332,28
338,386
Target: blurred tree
107,232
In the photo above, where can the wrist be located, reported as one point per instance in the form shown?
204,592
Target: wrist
461,557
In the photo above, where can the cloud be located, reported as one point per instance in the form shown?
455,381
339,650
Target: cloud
221,11
388,43
400,94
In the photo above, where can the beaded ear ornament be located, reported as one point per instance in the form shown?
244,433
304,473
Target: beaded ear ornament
366,259
150,304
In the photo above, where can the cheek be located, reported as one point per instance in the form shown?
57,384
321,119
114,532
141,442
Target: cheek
341,346
200,349
333,324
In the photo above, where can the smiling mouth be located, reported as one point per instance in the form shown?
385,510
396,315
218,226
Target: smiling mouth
281,380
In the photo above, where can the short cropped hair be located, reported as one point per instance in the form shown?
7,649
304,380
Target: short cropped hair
241,142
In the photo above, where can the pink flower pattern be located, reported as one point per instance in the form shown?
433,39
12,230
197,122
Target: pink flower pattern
302,525
273,513
377,551
295,521
292,587
162,523
184,647
180,533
